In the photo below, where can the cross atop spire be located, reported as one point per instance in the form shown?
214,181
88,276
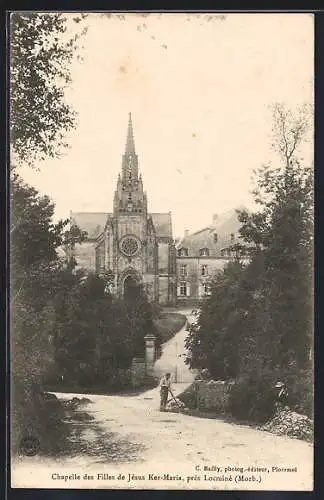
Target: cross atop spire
130,146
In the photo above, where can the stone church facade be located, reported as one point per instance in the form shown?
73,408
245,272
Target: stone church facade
130,244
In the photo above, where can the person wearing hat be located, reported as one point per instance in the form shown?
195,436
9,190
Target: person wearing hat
281,395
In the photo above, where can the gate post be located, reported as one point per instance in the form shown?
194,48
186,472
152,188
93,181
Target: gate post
149,353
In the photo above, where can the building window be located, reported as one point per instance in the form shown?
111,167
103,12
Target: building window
101,263
183,252
226,252
204,252
206,288
204,270
183,270
183,289
232,237
215,237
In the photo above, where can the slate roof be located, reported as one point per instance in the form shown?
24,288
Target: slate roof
163,224
91,222
224,226
94,223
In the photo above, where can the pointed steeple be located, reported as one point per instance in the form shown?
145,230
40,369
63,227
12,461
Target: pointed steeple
130,160
130,146
129,193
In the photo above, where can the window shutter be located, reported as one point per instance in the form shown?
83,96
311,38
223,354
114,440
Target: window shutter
178,291
188,290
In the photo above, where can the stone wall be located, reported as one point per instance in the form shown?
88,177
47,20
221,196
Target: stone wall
138,372
207,395
213,395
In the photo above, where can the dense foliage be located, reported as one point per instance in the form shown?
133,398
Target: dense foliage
97,336
256,326
65,326
37,277
42,49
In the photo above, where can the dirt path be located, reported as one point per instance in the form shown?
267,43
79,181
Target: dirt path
129,435
126,442
173,356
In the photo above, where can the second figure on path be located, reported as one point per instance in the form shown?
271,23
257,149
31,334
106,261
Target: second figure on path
165,387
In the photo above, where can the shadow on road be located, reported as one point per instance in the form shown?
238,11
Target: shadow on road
71,431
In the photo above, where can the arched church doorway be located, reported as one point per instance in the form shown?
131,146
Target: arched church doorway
131,287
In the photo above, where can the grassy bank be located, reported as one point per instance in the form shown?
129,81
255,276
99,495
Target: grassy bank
168,324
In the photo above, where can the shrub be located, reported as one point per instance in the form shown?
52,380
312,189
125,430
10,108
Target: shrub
121,379
301,392
251,399
203,374
189,397
156,309
35,415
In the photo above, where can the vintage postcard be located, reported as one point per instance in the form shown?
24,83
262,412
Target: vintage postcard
161,250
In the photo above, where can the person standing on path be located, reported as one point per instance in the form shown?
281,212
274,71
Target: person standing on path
165,387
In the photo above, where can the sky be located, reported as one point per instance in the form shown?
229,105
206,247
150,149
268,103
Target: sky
199,87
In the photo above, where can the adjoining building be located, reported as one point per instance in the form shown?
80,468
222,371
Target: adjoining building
201,254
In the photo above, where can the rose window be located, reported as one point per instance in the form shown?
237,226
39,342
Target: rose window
129,246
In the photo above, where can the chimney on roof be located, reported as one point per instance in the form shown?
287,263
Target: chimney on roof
186,233
215,218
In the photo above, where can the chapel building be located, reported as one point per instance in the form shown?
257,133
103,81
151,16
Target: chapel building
130,244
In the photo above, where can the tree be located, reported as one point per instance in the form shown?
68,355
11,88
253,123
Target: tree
139,316
272,183
41,52
290,130
34,271
96,335
42,48
34,237
283,229
258,319
212,343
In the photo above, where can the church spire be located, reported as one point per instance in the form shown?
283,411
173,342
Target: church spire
130,146
129,193
130,161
